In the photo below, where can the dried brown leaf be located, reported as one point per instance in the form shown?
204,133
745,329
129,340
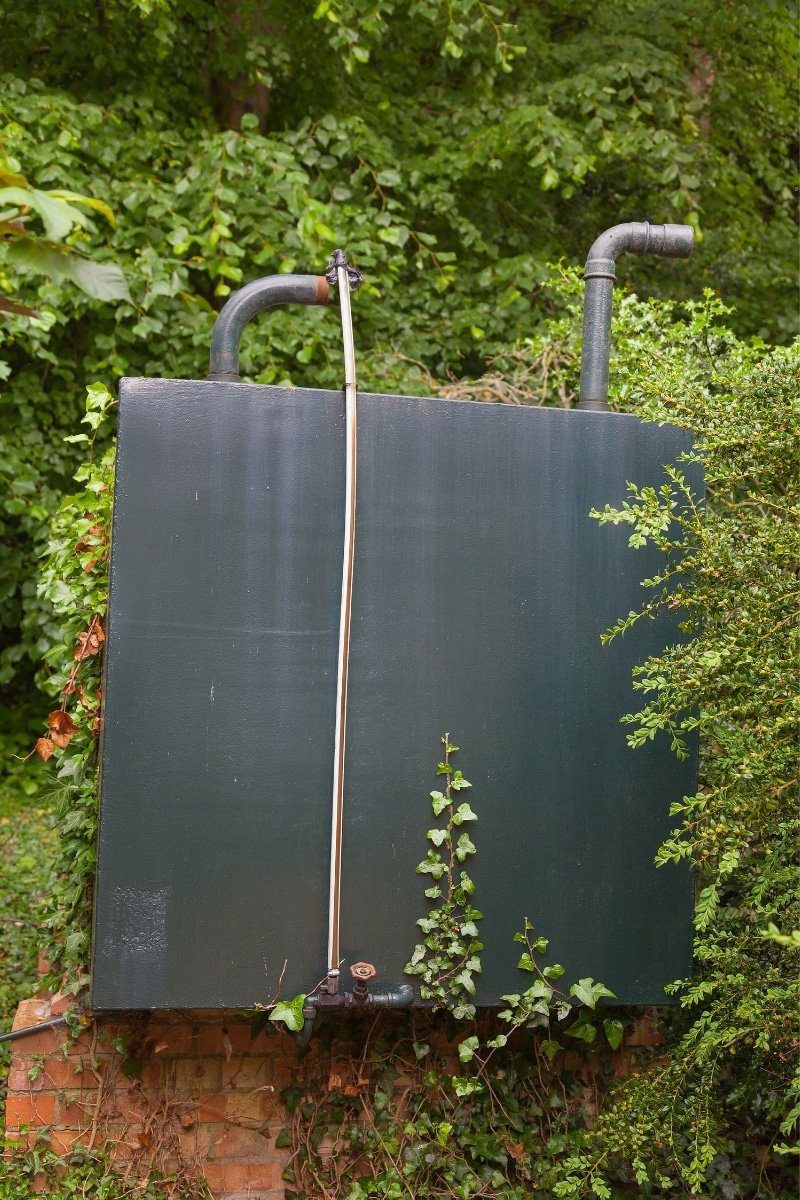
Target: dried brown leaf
44,748
62,728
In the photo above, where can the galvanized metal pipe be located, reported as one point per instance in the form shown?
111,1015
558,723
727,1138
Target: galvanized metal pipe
244,304
351,433
667,241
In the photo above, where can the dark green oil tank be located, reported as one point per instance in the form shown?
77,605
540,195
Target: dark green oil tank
481,589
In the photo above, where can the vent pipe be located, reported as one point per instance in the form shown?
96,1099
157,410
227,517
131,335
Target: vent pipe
668,241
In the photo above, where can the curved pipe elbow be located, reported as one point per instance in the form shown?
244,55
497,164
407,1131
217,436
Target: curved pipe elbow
666,241
640,237
244,304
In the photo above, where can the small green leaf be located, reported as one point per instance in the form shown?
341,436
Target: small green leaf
439,803
540,944
553,972
589,992
526,963
437,836
466,1051
465,1087
614,1031
420,1049
443,1130
290,1012
463,813
550,1048
464,847
582,1029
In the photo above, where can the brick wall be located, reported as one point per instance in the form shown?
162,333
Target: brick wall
201,1096
203,1099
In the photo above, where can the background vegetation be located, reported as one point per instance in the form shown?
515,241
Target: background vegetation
454,149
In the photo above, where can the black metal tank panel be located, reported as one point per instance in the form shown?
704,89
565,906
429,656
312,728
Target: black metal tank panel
481,588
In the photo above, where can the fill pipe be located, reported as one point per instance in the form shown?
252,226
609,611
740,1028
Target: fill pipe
667,241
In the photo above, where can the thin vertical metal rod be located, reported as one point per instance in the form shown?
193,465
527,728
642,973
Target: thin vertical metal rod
344,626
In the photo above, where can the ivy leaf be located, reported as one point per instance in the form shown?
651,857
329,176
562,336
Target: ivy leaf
465,1087
439,803
463,813
464,978
290,1013
582,1029
615,1031
458,782
526,963
589,992
421,1049
437,836
550,1048
467,1048
464,847
553,972
443,1130
541,944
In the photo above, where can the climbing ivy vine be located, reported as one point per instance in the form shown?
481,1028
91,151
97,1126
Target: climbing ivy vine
449,955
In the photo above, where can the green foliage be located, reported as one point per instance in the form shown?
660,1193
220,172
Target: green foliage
27,848
289,1012
448,957
730,567
379,1112
74,583
83,1173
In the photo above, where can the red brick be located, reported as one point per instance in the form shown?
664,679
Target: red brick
197,1142
211,1108
61,1003
252,1106
76,1109
246,1074
236,1142
23,1108
47,1042
264,1175
122,1151
223,1178
20,1081
172,1039
200,1075
62,1073
243,1042
131,1106
30,1012
150,1076
63,1140
209,1040
283,1073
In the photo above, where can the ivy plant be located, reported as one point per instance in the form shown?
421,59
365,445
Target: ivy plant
448,957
